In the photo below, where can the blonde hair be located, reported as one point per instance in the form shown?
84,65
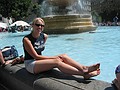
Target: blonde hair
37,19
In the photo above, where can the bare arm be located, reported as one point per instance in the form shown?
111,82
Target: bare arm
29,48
1,58
46,36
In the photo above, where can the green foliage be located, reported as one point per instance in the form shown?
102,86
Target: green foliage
36,9
18,9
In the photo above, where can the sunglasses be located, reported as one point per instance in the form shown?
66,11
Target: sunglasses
39,25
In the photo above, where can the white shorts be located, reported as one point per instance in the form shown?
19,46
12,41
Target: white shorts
29,65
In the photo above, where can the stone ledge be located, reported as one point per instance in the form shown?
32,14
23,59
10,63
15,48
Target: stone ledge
17,78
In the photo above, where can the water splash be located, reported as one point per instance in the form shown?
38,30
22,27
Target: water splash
65,7
67,16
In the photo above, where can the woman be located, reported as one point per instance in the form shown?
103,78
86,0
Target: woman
116,81
35,62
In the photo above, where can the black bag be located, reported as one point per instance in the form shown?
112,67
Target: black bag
9,52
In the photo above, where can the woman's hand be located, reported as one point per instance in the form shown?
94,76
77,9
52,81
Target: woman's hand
57,57
62,56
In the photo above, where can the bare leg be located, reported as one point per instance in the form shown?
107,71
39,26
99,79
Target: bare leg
44,65
66,59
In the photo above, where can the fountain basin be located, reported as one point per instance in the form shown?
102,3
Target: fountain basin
68,24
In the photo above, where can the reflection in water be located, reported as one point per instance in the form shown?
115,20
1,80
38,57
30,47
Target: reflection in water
97,32
52,36
72,39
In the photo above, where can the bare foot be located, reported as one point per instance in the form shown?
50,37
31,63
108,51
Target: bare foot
116,83
92,74
91,68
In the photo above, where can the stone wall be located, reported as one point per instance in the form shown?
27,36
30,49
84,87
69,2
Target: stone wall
17,78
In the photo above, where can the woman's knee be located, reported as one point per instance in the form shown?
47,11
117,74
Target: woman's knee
64,55
57,61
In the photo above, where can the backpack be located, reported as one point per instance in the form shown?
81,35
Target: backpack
10,52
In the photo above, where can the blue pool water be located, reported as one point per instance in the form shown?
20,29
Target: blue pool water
102,45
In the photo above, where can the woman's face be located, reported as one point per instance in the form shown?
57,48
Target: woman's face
38,26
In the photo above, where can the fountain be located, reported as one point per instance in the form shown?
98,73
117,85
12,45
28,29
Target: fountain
67,16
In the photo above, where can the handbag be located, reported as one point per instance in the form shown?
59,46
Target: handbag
10,52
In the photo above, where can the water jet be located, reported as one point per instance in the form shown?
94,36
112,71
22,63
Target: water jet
67,16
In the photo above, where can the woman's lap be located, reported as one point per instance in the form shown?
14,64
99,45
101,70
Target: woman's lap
29,65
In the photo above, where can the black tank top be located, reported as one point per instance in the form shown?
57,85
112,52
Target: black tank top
38,44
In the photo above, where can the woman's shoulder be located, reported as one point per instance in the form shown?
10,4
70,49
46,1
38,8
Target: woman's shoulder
45,35
28,35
